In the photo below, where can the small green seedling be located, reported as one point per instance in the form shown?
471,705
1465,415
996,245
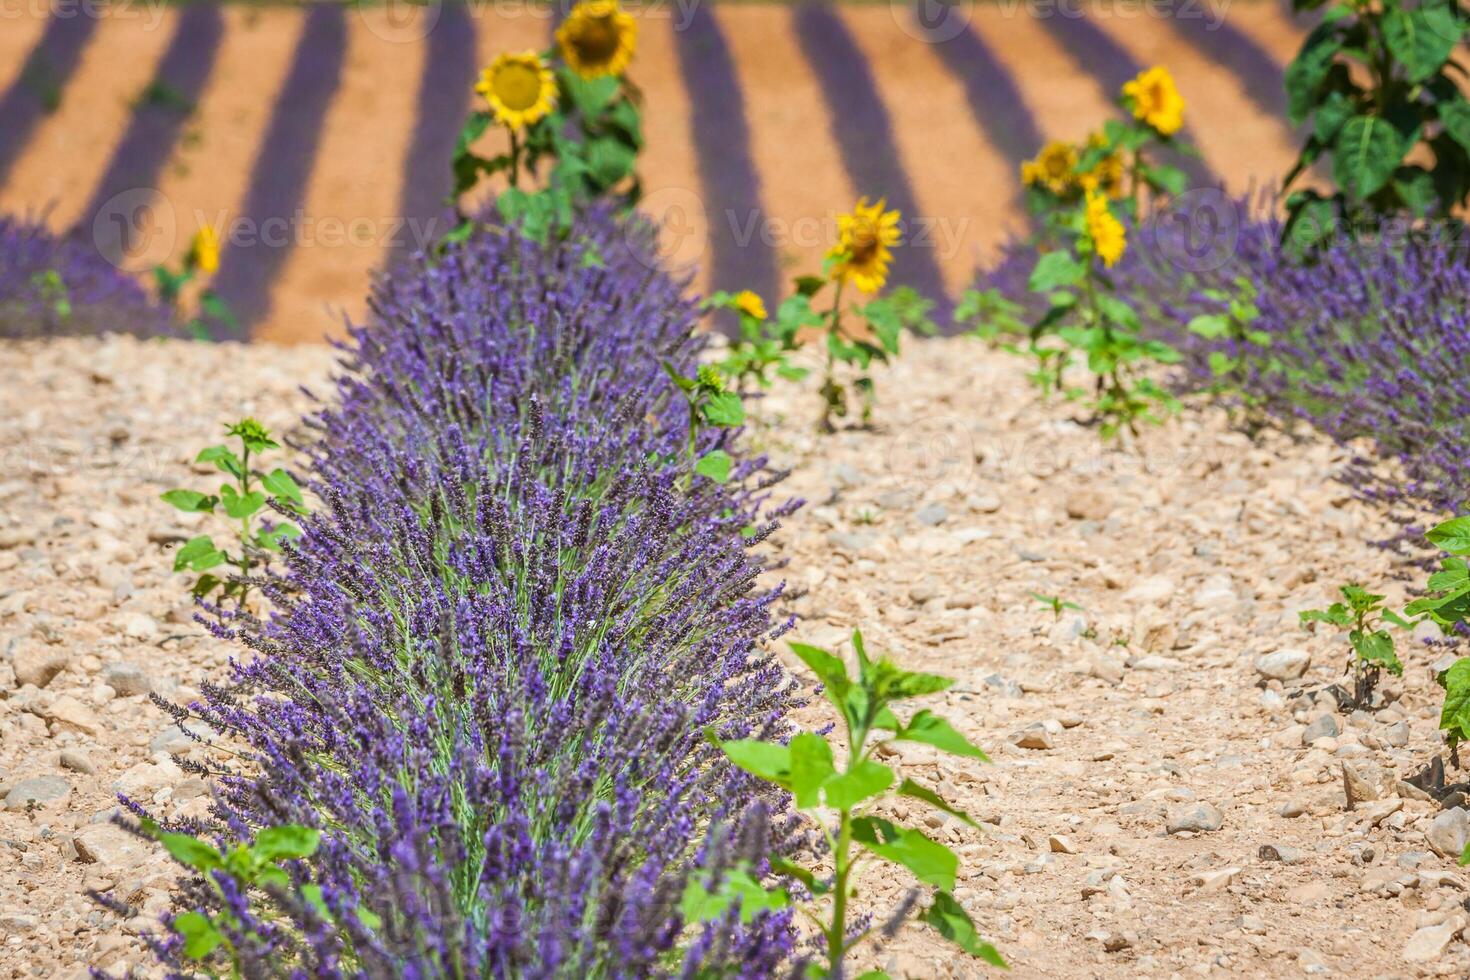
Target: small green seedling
850,795
1055,603
763,344
711,404
241,501
1363,615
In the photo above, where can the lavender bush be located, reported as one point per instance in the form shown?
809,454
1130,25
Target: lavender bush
52,287
503,641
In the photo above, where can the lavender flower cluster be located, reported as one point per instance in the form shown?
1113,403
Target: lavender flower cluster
52,287
503,637
1369,338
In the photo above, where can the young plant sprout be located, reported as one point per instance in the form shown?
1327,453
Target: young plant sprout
842,784
1363,615
241,500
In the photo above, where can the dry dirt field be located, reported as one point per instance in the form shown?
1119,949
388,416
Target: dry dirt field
1167,796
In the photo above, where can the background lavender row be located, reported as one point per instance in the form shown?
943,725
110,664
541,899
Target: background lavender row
727,174
995,100
864,136
1112,66
155,126
41,83
450,66
283,166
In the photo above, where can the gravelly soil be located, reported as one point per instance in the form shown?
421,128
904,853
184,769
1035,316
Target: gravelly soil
1189,551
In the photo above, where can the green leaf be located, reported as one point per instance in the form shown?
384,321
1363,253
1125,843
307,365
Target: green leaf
223,458
1306,73
290,842
830,670
930,729
190,851
767,760
1421,39
1367,152
1376,648
1055,270
724,409
200,936
952,922
715,465
1210,326
198,555
191,501
863,781
811,766
1452,536
240,506
892,683
698,904
1455,114
931,862
1170,180
1335,615
280,484
910,788
1454,717
808,287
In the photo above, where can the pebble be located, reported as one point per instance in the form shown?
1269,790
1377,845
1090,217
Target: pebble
1323,726
1032,737
1364,781
932,515
1449,832
1061,844
77,762
1280,853
38,789
34,663
126,679
1089,505
1194,817
113,848
67,713
1283,665
1429,942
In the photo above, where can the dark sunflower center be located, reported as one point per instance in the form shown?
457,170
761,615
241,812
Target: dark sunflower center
596,41
864,245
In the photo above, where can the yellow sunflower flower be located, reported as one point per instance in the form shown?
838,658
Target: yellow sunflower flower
750,304
597,39
1054,167
520,89
1107,233
204,251
1156,100
1107,174
865,239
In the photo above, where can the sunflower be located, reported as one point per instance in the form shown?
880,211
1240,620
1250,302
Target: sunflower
1107,174
597,39
750,304
520,88
1155,99
1107,233
864,242
1054,167
204,250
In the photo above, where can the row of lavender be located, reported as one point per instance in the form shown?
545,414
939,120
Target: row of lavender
502,643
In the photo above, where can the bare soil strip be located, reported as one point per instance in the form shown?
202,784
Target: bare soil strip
268,229
63,162
351,223
39,56
959,176
783,96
